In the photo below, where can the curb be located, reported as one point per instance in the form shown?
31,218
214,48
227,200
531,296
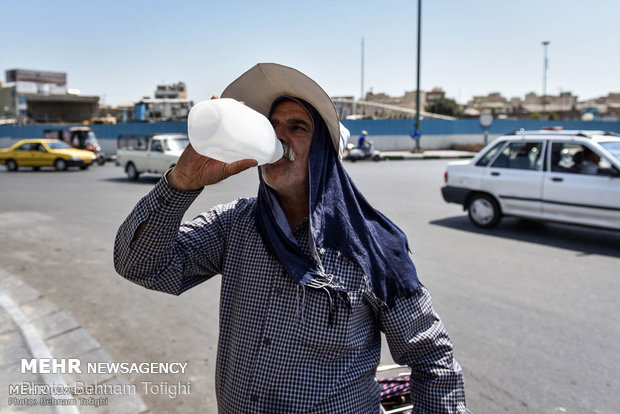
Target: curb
33,328
428,155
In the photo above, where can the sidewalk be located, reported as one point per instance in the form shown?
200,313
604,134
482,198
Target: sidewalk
32,327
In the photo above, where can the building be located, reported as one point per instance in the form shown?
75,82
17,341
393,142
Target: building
434,95
563,106
606,107
344,106
386,104
493,102
383,106
42,96
174,91
566,102
170,104
149,109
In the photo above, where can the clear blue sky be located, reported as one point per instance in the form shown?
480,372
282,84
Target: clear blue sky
120,50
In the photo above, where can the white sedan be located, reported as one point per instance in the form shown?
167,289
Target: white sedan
564,176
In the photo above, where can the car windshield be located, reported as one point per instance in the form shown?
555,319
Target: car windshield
176,144
613,147
57,145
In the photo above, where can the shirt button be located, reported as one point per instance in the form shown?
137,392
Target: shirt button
267,341
254,398
279,291
162,201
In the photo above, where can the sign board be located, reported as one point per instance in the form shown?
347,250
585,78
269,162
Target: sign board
486,120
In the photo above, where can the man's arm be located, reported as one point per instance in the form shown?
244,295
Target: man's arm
154,250
417,338
146,249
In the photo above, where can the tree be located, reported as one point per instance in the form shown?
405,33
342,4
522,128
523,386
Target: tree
444,106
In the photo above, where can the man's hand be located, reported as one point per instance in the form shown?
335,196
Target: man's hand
194,171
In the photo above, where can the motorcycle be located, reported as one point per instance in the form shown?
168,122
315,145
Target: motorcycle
363,153
94,147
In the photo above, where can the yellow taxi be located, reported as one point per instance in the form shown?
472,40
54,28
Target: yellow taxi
44,153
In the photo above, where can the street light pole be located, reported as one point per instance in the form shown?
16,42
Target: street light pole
545,65
362,87
417,95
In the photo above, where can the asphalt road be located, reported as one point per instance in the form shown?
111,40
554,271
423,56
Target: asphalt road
532,308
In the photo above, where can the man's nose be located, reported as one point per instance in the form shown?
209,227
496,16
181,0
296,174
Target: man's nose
281,133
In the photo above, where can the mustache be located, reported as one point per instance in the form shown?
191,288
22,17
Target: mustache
289,153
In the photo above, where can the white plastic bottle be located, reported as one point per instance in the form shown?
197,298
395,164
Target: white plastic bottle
227,130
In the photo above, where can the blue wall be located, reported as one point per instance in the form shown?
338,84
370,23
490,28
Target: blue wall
466,126
374,127
102,131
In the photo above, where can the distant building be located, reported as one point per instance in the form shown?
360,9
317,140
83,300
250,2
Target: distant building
563,103
406,101
382,105
434,95
493,102
607,107
42,96
148,109
344,106
174,91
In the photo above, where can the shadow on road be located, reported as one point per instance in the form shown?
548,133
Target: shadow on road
582,240
147,180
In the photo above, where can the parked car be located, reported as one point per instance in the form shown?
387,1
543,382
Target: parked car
154,154
44,153
554,175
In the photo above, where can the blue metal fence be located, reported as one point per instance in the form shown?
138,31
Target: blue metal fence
374,127
467,126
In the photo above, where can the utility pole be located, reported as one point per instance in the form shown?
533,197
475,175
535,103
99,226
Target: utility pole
416,133
545,66
362,87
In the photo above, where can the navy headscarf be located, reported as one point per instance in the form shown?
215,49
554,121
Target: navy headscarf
341,219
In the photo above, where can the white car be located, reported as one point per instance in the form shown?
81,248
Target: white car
554,175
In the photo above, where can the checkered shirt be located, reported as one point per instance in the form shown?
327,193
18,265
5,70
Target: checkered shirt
277,351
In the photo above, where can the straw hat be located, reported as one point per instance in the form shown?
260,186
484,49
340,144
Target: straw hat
263,83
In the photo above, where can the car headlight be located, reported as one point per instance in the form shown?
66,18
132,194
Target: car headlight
75,157
93,156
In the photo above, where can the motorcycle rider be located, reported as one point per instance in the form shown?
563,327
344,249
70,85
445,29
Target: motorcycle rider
364,143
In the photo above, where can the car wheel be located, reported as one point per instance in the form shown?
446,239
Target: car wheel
131,171
11,165
100,160
60,164
484,211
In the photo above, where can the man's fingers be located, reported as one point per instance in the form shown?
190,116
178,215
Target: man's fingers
239,166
